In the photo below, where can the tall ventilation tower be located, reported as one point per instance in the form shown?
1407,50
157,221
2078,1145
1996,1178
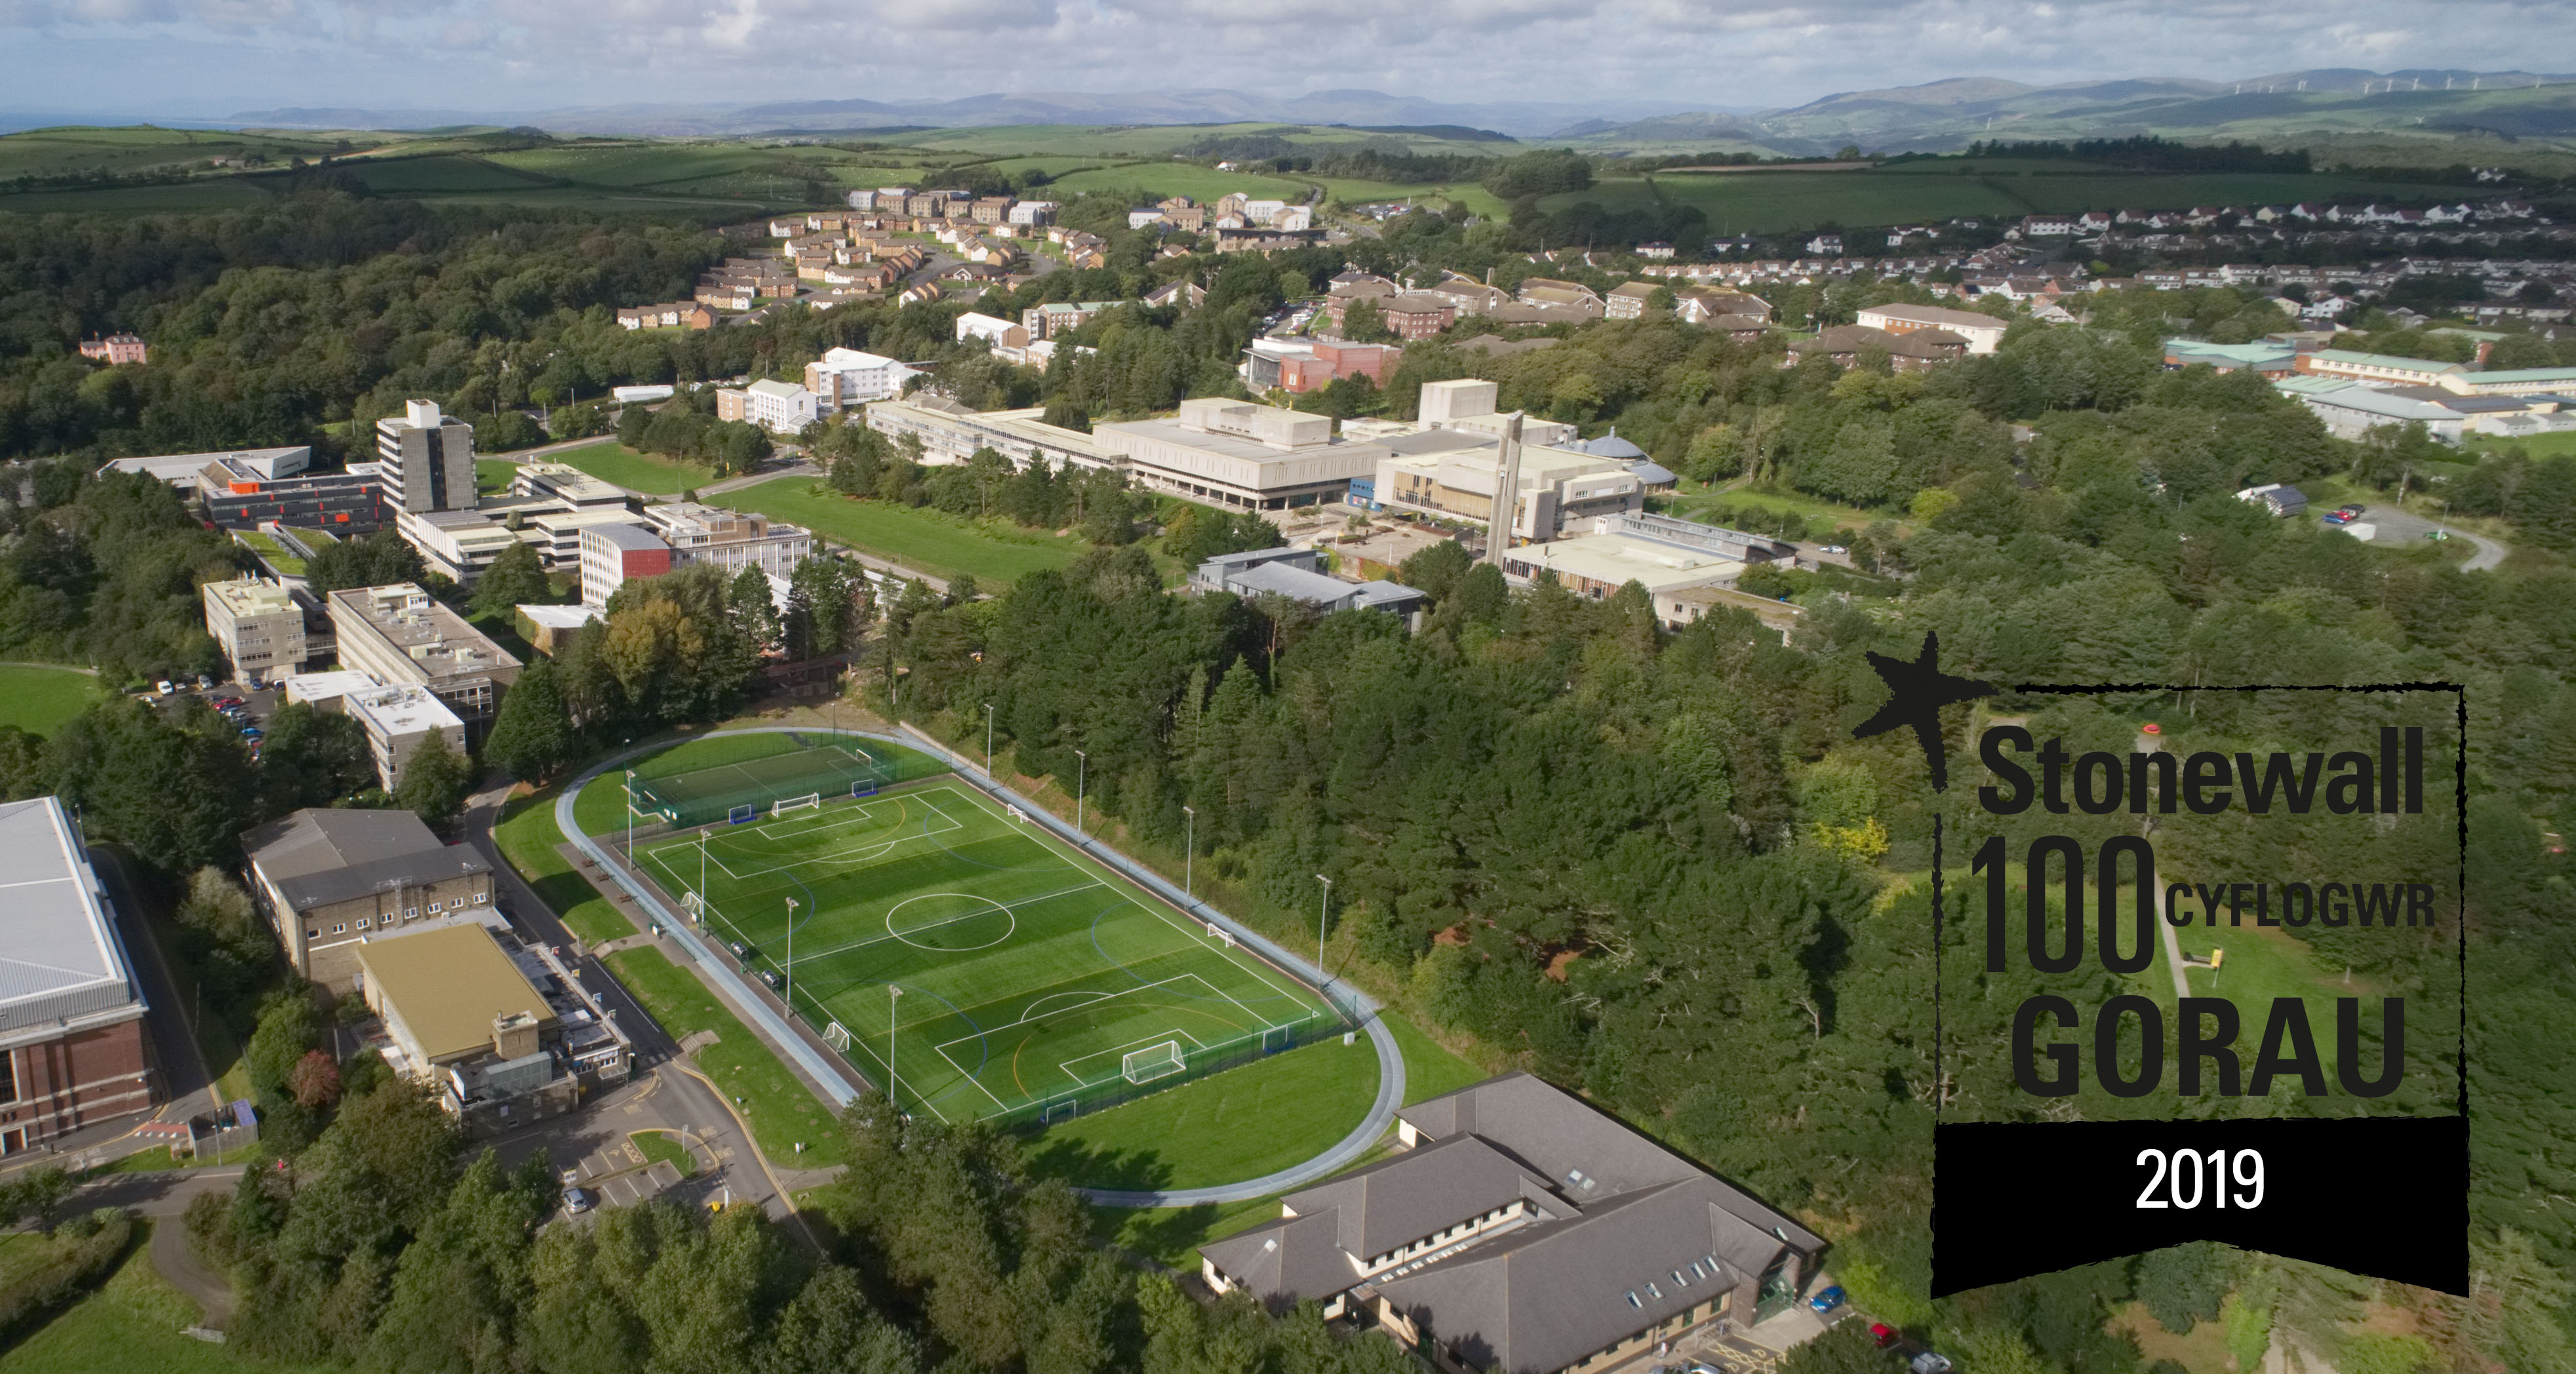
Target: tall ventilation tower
1507,491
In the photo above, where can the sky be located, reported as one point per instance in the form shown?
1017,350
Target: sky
211,58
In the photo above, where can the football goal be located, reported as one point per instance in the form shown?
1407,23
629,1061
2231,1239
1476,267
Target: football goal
1152,1062
837,1036
743,815
864,787
811,801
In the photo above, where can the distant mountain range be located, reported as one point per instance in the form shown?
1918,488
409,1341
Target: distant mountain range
1520,119
1936,116
1944,115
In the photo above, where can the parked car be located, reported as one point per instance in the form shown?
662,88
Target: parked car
166,686
1832,548
1828,1300
1883,1334
738,951
578,1200
2351,512
770,976
1929,1362
205,683
228,703
2336,517
253,733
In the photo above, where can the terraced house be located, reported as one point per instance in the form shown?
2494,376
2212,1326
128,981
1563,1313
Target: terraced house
1523,1232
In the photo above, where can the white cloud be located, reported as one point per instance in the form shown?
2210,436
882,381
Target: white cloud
542,54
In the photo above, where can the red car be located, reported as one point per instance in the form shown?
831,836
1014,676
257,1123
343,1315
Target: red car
1882,1333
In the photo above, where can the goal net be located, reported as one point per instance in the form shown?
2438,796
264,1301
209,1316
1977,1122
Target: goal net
864,787
809,802
1152,1062
742,815
837,1036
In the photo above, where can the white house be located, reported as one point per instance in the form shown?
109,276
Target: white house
846,377
1982,332
779,407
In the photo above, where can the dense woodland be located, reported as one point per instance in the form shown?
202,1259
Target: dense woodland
1650,865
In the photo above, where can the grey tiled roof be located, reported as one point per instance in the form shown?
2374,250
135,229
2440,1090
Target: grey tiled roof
1546,1296
318,856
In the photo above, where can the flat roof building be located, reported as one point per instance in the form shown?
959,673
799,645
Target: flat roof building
549,628
181,470
1235,453
1457,471
1596,565
1299,575
399,633
427,459
397,720
259,625
71,1014
490,1024
331,879
950,433
611,554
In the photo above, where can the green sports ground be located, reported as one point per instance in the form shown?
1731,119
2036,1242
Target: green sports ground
1004,975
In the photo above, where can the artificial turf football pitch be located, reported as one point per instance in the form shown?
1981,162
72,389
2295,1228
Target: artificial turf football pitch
1005,974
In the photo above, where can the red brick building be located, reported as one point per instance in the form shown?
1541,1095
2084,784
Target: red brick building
72,1050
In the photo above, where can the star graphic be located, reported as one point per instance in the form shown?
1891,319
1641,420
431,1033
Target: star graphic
1916,693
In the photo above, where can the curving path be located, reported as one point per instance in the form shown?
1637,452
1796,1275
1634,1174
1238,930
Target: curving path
757,1013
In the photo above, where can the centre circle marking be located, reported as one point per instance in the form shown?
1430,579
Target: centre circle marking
1010,924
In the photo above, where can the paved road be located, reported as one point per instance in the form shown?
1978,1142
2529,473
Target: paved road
2393,526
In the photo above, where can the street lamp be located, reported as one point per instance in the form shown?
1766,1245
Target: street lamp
988,739
1190,852
787,973
1323,913
1081,786
630,818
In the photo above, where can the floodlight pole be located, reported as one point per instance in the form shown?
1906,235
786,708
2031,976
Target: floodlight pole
1190,852
787,975
1081,787
1323,914
893,1023
630,818
988,739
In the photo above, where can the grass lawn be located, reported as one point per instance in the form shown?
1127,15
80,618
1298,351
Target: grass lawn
662,1147
1173,1235
528,836
1429,1070
494,474
1225,1128
1692,497
611,461
941,545
271,552
131,1325
37,700
2559,445
781,1111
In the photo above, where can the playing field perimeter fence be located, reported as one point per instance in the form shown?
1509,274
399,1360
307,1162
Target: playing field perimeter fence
740,791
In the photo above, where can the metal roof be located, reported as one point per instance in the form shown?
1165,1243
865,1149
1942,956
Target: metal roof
61,959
